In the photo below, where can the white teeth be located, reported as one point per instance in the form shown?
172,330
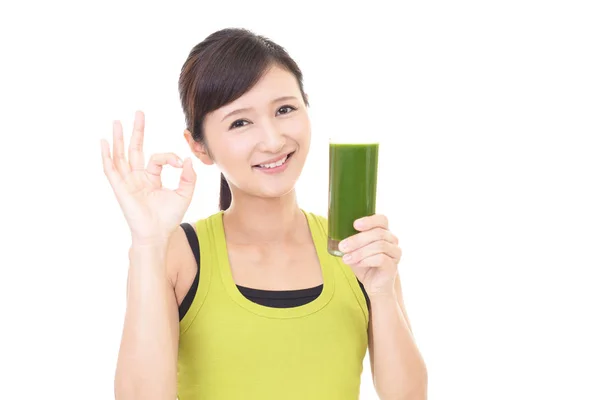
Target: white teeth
275,164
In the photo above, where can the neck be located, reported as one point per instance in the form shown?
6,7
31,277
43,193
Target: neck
262,220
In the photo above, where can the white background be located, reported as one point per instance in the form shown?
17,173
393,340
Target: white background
488,115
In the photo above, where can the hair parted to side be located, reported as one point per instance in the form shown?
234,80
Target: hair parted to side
219,70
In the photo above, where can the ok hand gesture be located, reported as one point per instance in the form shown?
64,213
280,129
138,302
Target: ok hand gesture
152,212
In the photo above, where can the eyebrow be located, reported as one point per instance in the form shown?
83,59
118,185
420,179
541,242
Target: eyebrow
241,110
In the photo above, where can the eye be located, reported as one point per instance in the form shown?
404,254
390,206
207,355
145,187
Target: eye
238,124
288,109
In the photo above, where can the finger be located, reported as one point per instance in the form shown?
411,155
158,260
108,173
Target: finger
362,239
114,177
136,145
119,149
370,222
366,254
378,261
156,162
187,182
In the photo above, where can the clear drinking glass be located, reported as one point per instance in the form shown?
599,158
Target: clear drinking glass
352,187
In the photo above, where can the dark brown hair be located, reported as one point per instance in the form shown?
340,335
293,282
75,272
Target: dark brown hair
219,70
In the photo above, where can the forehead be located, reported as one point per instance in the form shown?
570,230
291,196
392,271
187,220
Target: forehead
276,82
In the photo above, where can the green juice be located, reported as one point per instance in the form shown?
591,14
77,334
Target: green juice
352,189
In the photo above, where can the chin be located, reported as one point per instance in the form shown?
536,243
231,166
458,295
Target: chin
274,190
279,193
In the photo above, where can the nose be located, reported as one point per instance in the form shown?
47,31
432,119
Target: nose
272,140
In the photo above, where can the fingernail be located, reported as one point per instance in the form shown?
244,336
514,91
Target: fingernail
343,245
347,257
179,162
358,223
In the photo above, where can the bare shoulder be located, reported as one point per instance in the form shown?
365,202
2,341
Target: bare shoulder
181,263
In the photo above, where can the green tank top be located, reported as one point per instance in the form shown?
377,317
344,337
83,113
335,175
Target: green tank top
232,348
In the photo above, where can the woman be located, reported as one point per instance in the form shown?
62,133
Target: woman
247,303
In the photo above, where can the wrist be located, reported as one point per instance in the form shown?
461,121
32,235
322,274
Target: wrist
143,248
384,290
379,303
150,242
382,295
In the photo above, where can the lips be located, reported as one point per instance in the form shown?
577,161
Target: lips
285,157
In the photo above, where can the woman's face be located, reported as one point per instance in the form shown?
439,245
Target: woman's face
260,141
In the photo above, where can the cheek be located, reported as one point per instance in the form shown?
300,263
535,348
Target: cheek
298,129
234,151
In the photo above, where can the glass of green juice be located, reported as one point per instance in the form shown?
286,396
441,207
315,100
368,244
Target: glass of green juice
352,188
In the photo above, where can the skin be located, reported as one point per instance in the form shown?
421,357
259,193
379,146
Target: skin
265,219
267,236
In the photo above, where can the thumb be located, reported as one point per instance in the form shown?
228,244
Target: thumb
187,181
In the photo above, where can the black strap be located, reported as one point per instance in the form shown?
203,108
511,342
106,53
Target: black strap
365,293
189,297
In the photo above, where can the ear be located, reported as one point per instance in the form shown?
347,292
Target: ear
200,150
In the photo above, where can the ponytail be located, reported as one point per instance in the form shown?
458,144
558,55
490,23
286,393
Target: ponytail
225,195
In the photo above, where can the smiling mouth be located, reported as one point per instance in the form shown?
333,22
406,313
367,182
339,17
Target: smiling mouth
275,164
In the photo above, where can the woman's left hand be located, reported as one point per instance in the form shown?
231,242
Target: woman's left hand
373,254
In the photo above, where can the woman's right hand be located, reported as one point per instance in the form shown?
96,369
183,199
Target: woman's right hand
152,212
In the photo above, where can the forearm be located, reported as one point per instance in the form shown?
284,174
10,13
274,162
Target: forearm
400,298
147,363
399,372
